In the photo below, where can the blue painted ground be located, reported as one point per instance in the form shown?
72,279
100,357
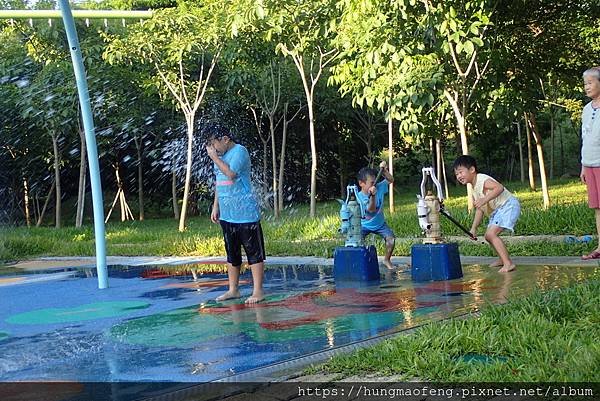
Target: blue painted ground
159,323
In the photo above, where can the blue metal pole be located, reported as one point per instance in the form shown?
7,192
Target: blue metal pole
90,138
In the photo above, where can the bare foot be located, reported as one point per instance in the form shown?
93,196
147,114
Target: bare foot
389,264
506,269
228,295
497,263
255,298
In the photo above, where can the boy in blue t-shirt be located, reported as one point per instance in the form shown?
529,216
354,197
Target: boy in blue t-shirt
370,198
236,209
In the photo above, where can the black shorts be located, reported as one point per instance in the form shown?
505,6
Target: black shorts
248,235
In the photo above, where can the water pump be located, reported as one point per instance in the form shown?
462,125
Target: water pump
434,259
354,263
351,214
429,206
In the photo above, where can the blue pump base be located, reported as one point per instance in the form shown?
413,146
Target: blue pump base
355,264
435,262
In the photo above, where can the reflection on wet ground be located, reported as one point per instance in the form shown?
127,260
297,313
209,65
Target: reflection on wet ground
160,323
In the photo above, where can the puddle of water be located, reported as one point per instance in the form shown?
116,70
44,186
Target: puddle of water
479,358
158,323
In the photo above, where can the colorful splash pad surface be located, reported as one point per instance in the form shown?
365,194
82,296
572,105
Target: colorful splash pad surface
160,323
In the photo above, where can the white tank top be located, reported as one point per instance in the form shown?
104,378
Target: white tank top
494,203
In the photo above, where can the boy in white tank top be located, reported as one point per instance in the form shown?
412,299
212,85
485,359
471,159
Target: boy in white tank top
490,198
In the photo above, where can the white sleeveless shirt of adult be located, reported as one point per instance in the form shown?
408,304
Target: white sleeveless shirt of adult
590,136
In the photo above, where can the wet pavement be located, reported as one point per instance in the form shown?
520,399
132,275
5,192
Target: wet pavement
158,321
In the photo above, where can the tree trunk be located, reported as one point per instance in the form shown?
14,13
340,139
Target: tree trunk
343,167
117,197
139,144
79,221
265,180
562,150
313,164
432,154
282,157
41,217
120,193
125,211
26,200
57,211
540,152
462,129
128,213
189,109
283,149
271,109
122,206
370,155
36,206
82,179
529,153
188,170
439,161
552,146
391,159
274,167
465,150
521,166
174,194
265,141
309,91
368,126
446,192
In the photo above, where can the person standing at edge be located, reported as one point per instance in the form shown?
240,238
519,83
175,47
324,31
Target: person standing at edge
590,148
236,209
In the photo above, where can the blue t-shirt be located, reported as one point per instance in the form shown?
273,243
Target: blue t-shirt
237,203
372,221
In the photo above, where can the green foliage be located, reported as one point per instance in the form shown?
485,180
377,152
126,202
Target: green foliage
393,57
546,337
180,44
400,55
128,4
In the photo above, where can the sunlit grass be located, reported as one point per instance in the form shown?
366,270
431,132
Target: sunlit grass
544,337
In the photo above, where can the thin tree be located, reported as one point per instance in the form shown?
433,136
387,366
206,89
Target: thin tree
284,131
302,30
183,46
531,122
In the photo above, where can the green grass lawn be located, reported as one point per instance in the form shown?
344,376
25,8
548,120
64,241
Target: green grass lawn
545,337
297,234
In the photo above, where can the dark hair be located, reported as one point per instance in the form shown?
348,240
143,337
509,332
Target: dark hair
365,173
212,131
464,161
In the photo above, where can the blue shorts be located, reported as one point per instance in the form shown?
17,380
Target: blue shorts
506,216
384,231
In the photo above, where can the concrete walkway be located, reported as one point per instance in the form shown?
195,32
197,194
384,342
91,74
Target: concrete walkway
85,261
79,261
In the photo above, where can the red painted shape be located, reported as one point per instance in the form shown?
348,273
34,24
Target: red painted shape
328,304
